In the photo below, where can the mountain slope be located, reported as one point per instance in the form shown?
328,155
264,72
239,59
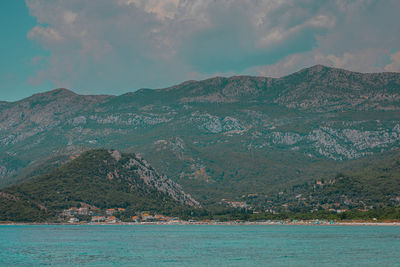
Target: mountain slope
322,89
221,137
99,178
365,184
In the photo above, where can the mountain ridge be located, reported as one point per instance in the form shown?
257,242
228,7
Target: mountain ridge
219,137
313,69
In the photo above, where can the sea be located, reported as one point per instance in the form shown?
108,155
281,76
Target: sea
199,245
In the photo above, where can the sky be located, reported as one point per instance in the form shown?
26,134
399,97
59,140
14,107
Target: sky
119,46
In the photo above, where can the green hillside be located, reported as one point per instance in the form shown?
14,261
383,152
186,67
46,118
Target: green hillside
365,184
101,179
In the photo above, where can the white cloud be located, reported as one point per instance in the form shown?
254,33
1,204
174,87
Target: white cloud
279,34
69,17
163,9
46,34
394,66
321,21
359,61
120,45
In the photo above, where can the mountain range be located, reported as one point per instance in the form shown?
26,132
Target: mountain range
217,138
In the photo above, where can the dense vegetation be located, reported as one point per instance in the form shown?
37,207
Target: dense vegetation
366,190
95,178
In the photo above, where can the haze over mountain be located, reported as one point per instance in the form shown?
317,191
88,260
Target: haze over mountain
220,137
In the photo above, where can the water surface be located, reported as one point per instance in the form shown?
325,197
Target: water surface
200,245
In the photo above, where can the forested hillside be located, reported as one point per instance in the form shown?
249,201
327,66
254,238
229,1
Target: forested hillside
100,179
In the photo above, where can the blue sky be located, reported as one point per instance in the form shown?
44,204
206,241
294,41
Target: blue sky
117,46
17,52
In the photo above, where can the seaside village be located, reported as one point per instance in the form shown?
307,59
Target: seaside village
282,203
87,213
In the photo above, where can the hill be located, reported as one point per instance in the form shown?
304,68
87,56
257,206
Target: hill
99,179
366,184
220,137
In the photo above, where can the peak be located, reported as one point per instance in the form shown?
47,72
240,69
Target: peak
319,67
56,93
52,94
61,91
316,68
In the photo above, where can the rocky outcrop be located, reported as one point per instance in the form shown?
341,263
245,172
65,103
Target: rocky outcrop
160,182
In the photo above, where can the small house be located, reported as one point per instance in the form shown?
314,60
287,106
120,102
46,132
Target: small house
110,211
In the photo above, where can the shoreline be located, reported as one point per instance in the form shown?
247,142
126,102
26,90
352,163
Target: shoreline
305,223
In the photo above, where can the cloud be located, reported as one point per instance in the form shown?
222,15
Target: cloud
46,34
163,9
280,34
69,17
360,61
394,65
120,45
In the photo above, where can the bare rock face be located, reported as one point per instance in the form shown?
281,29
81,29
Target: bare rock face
115,154
161,182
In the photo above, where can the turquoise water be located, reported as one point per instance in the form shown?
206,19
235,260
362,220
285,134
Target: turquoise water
199,245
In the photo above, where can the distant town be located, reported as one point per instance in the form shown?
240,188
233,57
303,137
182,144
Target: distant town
87,213
92,216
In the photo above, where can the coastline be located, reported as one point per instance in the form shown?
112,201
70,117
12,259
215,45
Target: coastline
309,223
